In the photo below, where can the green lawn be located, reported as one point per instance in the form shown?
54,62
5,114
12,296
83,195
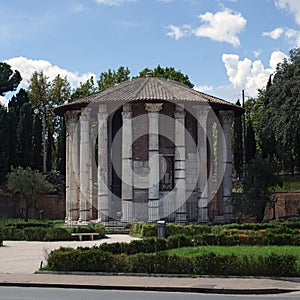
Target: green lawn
290,184
238,250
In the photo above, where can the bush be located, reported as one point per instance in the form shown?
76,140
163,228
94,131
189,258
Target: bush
209,263
178,241
34,233
1,240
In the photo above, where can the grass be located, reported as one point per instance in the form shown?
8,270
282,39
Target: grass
290,184
237,250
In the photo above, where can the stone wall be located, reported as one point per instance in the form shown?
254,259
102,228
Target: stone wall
285,205
53,207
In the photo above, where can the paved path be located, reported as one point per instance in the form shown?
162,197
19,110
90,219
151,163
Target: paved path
21,257
19,260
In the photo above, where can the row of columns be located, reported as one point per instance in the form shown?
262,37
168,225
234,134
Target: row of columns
78,159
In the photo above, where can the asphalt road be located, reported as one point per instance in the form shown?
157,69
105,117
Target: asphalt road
19,293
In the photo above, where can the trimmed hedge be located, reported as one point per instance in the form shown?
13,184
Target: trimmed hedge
275,227
96,260
39,231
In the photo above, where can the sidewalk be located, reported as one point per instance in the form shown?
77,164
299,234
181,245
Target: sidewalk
19,260
195,285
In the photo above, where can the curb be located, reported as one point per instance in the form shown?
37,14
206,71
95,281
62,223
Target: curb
154,289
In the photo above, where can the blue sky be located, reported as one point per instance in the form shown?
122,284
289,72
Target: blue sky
224,46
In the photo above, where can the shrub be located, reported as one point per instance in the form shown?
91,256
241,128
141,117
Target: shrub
1,240
34,233
178,241
148,230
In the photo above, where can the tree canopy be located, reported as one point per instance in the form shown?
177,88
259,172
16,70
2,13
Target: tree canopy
9,79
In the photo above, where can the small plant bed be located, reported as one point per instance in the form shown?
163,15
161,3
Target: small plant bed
34,230
154,255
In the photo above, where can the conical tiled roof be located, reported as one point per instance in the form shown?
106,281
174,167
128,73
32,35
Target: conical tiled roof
148,89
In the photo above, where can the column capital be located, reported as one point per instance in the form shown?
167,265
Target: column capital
202,111
153,107
226,116
85,115
127,115
179,114
72,115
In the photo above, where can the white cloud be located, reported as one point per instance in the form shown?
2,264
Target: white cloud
291,35
223,26
203,88
112,2
257,52
274,34
291,6
247,74
28,66
177,32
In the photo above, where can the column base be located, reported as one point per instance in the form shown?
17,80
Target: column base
180,218
153,211
127,210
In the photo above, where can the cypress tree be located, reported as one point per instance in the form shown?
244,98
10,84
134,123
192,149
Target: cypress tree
37,141
238,144
250,143
24,135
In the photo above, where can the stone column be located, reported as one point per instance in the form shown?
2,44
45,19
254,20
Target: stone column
72,167
180,179
103,206
153,192
210,165
127,176
84,212
202,115
227,117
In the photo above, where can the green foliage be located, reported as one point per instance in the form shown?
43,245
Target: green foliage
259,179
44,230
85,89
206,263
168,73
4,139
238,144
250,143
28,184
24,135
9,79
111,78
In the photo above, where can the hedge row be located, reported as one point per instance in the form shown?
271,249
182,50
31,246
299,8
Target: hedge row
154,245
150,230
97,260
47,233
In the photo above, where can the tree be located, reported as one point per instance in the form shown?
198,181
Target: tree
17,101
250,143
24,135
37,141
28,184
238,144
168,73
281,111
4,140
259,178
9,79
85,89
111,78
61,149
44,97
